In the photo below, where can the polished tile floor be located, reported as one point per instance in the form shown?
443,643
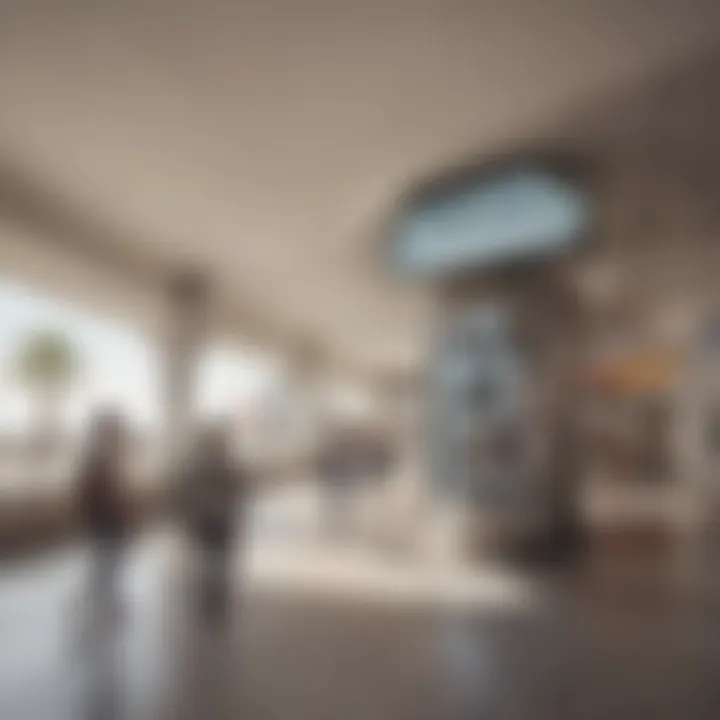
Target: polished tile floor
618,640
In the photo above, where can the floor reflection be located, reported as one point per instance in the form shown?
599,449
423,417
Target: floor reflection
105,692
594,648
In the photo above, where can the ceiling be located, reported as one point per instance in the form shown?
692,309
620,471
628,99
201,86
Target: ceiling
266,141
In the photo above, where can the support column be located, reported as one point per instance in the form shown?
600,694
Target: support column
404,498
306,431
303,386
550,318
505,401
697,449
187,328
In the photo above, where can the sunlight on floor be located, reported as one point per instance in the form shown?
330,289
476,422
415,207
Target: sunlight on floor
361,576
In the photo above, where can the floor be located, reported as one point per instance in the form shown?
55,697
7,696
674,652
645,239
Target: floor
619,639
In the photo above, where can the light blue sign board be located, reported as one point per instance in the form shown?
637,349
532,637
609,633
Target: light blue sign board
515,215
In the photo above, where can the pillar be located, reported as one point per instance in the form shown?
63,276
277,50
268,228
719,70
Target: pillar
551,323
697,449
404,495
187,328
303,386
504,404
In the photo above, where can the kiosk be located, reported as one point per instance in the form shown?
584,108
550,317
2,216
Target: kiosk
496,245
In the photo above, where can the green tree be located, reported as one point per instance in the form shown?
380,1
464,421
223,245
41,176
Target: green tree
48,363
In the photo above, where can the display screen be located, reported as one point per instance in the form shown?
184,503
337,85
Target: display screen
477,386
497,219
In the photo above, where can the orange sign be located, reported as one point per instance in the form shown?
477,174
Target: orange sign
642,372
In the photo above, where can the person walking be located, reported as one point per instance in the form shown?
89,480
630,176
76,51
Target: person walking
214,486
103,506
